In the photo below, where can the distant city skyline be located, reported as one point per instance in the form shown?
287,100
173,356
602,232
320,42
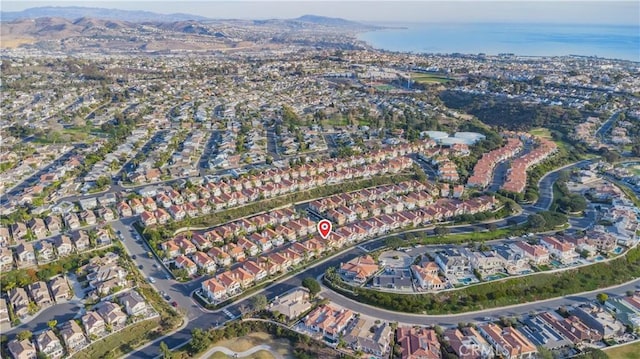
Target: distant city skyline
565,12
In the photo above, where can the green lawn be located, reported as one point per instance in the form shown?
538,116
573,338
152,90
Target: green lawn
630,351
115,345
429,78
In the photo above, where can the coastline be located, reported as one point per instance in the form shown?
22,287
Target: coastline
620,43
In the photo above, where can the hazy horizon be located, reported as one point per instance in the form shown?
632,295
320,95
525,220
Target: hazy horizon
625,13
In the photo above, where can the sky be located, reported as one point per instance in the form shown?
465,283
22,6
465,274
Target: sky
542,11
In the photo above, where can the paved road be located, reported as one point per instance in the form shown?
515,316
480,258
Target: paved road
243,354
479,316
61,312
602,131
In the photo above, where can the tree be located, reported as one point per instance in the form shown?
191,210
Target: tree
52,324
165,351
602,297
536,221
312,285
441,231
544,353
25,334
259,302
199,340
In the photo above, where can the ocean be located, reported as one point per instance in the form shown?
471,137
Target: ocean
608,41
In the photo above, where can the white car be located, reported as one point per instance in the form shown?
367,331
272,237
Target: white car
152,280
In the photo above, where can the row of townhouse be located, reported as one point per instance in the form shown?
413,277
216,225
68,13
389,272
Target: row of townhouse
72,337
274,227
283,258
175,207
483,170
363,196
41,294
516,179
447,169
278,181
29,254
231,282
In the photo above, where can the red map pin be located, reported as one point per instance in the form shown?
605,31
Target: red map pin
324,228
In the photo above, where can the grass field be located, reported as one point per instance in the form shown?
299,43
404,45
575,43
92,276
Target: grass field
631,351
121,342
281,346
263,354
541,132
429,78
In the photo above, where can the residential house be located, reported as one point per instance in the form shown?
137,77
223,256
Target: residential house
508,342
22,349
418,343
37,227
124,209
220,256
72,220
112,315
81,241
106,213
328,321
203,261
19,230
292,304
48,343
600,320
486,263
467,343
88,217
6,259
4,311
213,289
44,251
63,245
535,253
183,262
359,269
94,325
60,288
73,336
25,255
134,304
563,251
426,275
452,262
54,224
366,335
40,294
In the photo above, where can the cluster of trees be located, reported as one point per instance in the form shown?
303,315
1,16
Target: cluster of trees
546,221
512,114
497,294
569,202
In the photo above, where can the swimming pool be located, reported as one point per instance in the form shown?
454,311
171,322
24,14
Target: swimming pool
618,250
599,258
493,277
465,281
556,263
